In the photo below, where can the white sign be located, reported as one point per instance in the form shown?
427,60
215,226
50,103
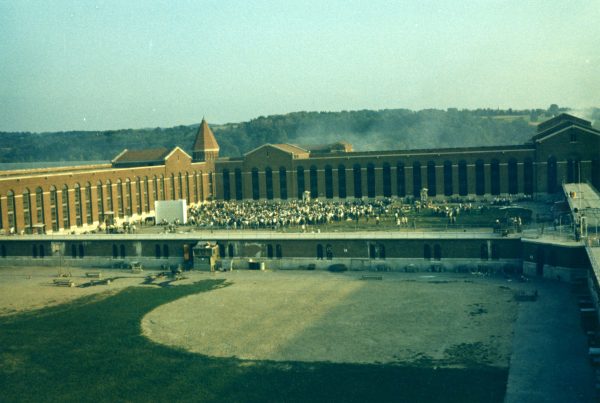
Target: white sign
171,211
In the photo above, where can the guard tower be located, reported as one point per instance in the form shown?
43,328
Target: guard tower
206,255
206,147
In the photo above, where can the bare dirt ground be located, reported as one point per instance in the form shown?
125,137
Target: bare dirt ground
28,288
445,320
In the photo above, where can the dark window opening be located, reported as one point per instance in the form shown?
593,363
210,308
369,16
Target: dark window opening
342,182
431,179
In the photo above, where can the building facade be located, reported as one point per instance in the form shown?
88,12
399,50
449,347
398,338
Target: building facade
565,149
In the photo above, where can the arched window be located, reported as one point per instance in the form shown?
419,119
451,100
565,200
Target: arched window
239,186
154,188
172,187
314,182
157,253
120,208
300,182
495,177
73,251
463,183
417,179
513,177
448,188
11,210
81,252
357,181
27,209
138,195
483,251
34,251
195,181
77,197
255,184
370,180
319,251
552,175
226,185
166,251
283,193
221,250
230,250
528,176
187,188
39,205
146,195
42,251
201,185
180,186
437,252
269,251
161,187
122,248
427,252
328,182
381,251
400,180
88,203
278,253
100,201
386,177
342,182
109,196
372,251
431,179
269,183
115,251
54,208
479,178
66,209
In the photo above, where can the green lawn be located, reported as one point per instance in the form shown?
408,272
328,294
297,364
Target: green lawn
92,350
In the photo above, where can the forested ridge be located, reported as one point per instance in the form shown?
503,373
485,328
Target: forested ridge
366,130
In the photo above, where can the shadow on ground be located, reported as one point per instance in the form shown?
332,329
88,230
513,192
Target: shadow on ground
92,350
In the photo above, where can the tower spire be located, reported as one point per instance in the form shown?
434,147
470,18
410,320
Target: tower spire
206,147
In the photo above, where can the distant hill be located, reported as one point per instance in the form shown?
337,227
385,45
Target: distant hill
366,130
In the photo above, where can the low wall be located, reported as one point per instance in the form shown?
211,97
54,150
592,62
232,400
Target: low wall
390,264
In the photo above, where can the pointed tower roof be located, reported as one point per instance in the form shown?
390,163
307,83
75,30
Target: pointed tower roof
205,139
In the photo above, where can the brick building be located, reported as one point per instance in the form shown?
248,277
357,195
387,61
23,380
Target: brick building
565,149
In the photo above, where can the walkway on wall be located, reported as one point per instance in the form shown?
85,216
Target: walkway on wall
584,202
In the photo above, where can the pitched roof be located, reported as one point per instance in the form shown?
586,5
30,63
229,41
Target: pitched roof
205,139
560,123
291,148
141,156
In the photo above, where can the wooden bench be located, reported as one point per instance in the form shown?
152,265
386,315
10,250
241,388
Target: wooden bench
371,277
94,274
64,282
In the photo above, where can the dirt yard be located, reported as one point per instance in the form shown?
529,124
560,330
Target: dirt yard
27,288
444,320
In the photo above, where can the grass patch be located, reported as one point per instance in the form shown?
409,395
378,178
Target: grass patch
92,350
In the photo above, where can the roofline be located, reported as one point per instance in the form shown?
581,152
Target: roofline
175,149
539,138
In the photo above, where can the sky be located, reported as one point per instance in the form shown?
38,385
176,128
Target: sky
98,65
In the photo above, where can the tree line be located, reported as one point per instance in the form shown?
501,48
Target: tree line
365,129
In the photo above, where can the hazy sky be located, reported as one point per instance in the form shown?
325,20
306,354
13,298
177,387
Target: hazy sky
121,64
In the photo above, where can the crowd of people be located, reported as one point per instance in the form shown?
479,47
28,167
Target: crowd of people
303,213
